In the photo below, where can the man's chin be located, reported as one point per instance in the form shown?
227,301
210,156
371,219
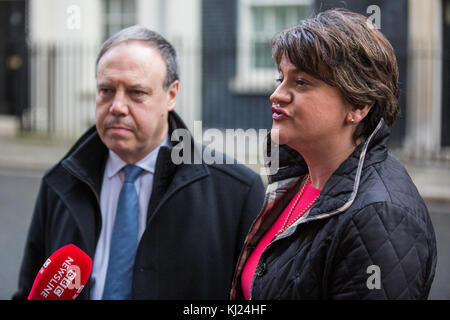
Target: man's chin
124,153
119,145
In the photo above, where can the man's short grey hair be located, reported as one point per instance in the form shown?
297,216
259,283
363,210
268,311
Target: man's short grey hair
153,39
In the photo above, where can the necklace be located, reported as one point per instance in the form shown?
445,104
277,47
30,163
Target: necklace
285,225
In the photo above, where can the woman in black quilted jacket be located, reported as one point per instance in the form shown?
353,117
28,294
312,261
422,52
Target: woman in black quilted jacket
342,218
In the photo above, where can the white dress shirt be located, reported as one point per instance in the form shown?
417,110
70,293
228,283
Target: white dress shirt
113,178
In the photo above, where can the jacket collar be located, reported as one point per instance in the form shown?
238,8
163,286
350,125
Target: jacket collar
86,159
292,164
341,189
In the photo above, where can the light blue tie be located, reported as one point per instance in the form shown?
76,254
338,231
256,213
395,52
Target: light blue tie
124,240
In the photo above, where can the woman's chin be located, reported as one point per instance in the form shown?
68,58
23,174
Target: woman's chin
278,135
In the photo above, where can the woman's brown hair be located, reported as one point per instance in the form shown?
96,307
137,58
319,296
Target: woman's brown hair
345,50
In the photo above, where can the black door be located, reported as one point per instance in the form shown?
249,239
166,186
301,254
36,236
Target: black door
13,58
445,131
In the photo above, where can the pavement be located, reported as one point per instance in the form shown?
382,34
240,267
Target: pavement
31,152
431,178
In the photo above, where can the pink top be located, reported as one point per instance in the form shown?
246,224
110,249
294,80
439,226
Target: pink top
309,194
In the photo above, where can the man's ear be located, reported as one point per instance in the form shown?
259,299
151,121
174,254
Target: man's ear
172,93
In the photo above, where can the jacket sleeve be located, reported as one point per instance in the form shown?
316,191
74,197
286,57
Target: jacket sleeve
384,252
33,257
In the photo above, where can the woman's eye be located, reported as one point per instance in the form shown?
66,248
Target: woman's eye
279,80
301,82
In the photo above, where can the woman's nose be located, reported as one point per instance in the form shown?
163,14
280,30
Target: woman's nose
280,95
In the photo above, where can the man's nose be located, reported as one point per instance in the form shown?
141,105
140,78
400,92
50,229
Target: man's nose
120,104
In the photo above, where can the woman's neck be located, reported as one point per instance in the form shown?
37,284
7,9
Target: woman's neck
323,159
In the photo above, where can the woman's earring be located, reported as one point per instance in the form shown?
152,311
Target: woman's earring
350,119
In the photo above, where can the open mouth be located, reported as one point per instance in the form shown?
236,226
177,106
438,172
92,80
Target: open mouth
278,113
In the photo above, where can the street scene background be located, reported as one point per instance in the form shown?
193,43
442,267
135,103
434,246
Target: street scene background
47,89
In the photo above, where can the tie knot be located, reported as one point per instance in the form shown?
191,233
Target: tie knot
131,172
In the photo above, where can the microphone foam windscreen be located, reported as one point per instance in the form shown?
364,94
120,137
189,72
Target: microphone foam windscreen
63,275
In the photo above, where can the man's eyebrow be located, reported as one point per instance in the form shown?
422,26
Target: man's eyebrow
138,86
132,87
104,84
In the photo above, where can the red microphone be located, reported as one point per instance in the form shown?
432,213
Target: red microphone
63,275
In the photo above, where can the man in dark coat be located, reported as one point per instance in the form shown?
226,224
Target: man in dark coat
193,217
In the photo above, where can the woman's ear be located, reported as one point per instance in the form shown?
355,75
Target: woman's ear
358,114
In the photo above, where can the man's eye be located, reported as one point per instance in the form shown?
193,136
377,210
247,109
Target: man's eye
105,91
279,80
137,93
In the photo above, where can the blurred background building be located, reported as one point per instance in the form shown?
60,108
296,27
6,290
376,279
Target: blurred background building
48,49
47,84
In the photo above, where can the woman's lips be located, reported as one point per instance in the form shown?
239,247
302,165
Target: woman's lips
278,113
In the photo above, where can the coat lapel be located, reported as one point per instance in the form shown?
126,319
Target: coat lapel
170,178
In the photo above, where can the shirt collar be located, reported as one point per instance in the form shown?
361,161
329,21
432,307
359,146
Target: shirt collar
148,163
